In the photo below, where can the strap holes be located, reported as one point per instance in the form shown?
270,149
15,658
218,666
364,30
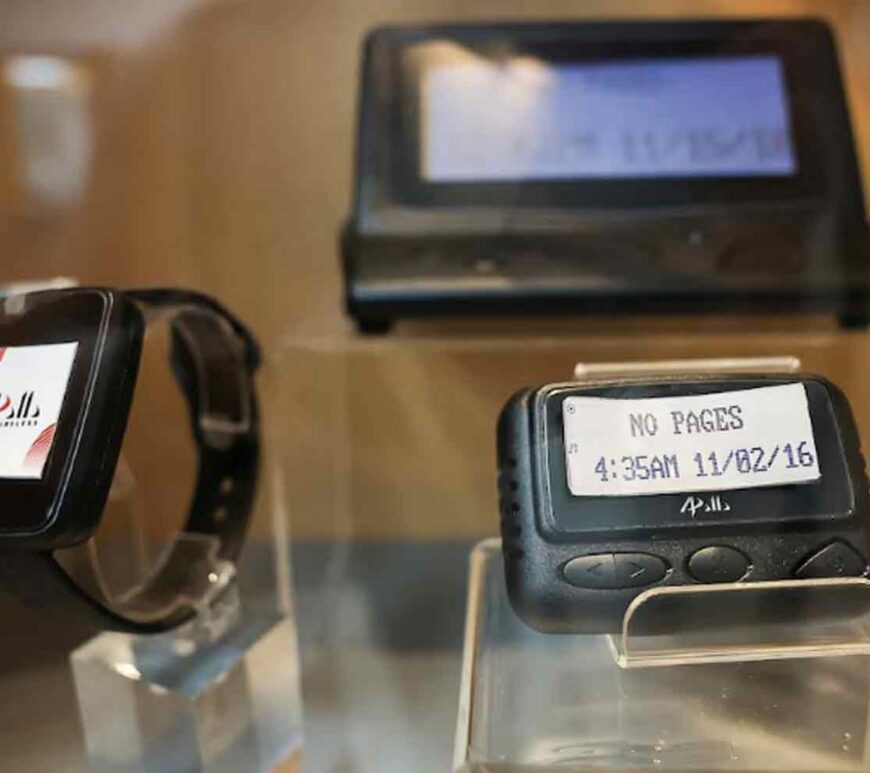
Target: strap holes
220,515
227,485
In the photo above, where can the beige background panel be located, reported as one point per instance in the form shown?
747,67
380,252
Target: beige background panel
396,440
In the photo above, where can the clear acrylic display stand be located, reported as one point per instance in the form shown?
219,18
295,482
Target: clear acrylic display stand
747,694
220,693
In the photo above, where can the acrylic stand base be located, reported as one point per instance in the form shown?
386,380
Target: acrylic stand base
189,701
538,702
221,692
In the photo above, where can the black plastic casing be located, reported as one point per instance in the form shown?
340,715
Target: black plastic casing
416,248
776,527
64,507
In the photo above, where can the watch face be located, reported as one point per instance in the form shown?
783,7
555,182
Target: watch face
65,363
34,383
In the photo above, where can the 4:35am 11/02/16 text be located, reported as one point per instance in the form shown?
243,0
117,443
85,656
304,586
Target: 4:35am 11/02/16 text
754,461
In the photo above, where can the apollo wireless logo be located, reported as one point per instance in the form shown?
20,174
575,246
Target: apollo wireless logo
20,411
711,504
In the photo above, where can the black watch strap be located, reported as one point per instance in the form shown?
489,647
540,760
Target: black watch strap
213,358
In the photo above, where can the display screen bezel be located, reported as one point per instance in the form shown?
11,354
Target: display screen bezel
406,59
831,497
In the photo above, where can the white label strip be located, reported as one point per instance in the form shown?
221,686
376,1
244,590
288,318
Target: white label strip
728,440
33,382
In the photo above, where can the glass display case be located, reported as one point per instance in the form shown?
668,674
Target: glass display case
212,145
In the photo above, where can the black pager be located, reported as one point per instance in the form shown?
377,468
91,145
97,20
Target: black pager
609,488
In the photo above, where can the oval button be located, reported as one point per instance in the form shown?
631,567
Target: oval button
718,564
611,571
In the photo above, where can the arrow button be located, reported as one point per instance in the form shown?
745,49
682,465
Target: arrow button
594,571
634,570
834,560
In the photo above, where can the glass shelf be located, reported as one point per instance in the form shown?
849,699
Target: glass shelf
793,697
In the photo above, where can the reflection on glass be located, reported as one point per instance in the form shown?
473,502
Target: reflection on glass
51,119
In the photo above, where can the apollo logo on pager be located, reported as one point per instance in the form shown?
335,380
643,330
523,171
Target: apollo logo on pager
712,504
